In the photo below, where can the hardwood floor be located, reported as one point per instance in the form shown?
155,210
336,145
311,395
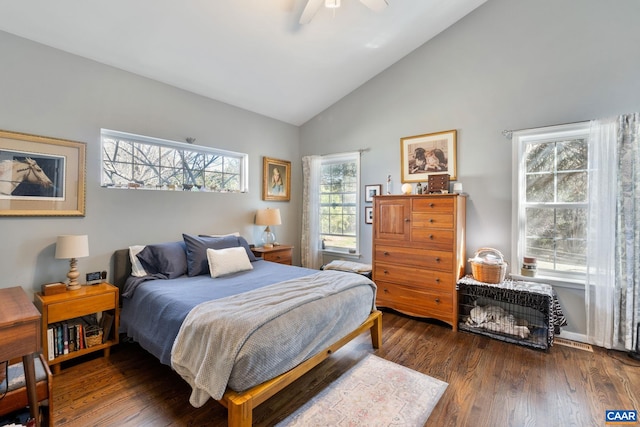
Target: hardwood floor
491,383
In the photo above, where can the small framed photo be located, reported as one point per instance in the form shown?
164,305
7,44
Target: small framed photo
428,154
41,176
276,180
372,190
368,214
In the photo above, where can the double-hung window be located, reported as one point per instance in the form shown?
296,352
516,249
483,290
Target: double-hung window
136,161
551,195
339,202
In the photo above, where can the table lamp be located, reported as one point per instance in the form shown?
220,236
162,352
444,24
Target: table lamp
72,247
268,217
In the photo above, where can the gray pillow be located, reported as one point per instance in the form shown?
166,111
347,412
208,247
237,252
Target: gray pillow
197,262
168,259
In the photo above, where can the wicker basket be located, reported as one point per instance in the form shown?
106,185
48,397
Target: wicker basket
493,272
93,336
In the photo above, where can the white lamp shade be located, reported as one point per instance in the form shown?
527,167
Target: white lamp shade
268,217
72,246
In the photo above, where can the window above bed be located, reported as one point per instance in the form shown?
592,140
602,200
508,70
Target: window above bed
142,162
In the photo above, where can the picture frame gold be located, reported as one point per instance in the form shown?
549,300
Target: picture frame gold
428,154
276,179
41,176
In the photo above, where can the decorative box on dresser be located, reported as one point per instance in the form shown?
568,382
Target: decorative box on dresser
419,253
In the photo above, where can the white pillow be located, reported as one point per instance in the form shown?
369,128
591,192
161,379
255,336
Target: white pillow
227,261
137,269
235,233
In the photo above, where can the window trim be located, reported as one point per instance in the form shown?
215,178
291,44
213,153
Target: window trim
341,158
243,157
518,244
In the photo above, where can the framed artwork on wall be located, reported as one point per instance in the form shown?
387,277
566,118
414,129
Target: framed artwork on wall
368,214
276,179
372,190
428,154
41,176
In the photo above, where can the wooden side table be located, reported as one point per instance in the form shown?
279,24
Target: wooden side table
87,300
20,337
282,254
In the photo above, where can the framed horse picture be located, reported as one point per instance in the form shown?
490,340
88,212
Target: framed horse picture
41,176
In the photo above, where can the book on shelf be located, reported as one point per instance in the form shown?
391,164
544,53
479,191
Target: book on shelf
106,323
51,353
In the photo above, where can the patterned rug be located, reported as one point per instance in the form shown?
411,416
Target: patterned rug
375,392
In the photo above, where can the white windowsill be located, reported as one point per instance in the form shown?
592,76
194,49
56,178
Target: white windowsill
355,255
553,281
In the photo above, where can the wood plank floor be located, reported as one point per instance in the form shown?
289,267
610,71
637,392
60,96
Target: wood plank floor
490,383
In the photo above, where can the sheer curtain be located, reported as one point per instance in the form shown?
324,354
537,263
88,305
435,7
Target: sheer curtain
311,255
600,290
612,293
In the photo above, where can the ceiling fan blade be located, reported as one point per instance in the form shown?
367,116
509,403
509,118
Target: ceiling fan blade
310,10
375,5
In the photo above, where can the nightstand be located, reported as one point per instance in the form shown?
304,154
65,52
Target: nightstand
19,335
60,309
281,254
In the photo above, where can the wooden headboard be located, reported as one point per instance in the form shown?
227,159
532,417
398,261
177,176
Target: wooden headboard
121,268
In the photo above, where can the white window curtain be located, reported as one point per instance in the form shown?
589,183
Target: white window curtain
311,254
612,292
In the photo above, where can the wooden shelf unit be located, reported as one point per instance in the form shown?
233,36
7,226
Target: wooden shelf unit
85,301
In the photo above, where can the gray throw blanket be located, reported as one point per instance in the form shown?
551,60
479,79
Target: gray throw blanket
214,332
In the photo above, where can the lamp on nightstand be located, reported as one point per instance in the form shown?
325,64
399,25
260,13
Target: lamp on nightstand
72,247
268,217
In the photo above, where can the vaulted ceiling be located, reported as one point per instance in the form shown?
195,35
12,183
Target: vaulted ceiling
251,54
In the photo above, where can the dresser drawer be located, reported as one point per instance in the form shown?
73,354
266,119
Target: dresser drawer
78,307
433,238
431,220
420,258
412,300
433,204
282,257
414,277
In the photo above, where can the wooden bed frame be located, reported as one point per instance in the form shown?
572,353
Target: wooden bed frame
240,404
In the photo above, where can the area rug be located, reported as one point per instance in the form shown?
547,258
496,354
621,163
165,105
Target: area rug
375,392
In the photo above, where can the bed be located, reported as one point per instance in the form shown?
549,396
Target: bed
241,336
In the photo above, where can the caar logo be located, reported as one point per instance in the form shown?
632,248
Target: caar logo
620,416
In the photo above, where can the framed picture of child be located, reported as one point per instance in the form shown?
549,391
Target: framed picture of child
276,180
428,154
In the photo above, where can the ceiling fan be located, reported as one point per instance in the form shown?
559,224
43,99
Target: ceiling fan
314,5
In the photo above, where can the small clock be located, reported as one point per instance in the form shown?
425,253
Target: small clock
96,277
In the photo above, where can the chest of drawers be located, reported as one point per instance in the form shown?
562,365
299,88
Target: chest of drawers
418,254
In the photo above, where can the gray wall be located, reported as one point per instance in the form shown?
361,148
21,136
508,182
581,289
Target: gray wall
48,92
510,64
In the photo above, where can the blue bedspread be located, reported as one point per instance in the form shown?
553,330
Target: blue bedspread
153,313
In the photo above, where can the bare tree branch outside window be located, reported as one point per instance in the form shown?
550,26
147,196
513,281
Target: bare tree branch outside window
131,161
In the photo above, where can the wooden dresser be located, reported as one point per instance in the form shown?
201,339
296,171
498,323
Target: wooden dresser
419,253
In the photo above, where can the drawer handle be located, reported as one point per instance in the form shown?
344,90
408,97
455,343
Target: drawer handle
407,220
437,280
431,236
431,205
431,220
437,259
385,253
437,300
386,291
386,272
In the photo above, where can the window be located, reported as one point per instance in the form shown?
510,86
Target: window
551,199
339,202
135,161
